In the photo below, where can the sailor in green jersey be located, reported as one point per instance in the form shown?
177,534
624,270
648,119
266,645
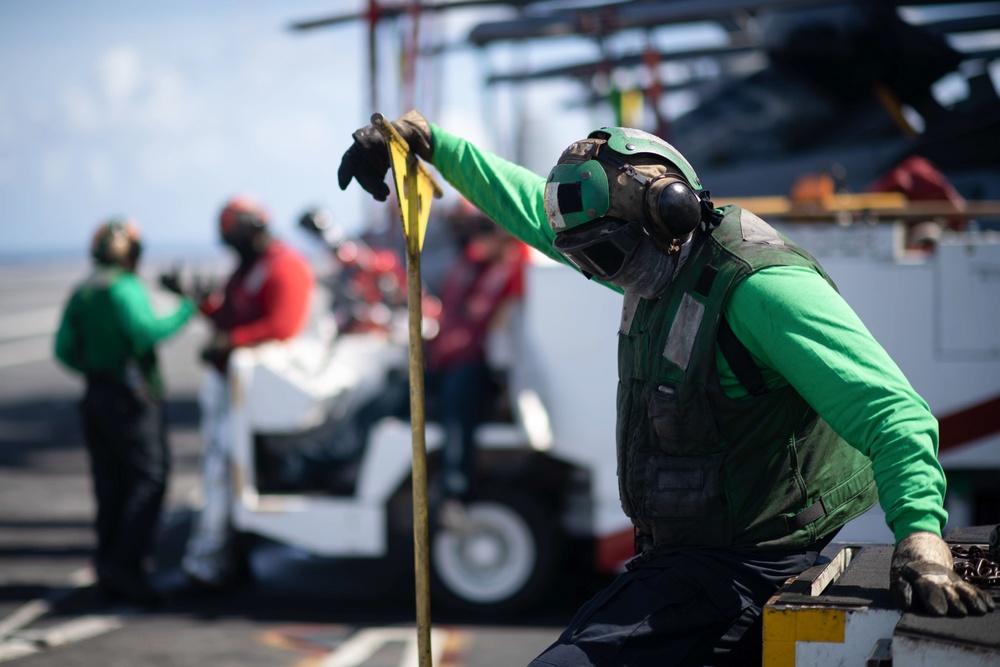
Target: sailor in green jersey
108,334
756,414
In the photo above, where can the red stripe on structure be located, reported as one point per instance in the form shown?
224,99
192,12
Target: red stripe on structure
969,424
613,550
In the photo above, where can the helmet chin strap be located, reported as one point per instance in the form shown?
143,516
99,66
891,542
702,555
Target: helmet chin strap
673,247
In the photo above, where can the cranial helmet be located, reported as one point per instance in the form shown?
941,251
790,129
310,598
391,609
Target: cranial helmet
626,174
619,176
241,218
116,242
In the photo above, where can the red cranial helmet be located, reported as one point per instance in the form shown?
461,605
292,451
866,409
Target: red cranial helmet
241,217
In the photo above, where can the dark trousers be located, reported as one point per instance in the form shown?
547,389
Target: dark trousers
458,397
455,399
693,607
129,465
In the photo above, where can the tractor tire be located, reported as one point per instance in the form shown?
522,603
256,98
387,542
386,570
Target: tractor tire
502,558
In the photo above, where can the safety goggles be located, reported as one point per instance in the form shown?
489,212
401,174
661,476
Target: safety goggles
600,250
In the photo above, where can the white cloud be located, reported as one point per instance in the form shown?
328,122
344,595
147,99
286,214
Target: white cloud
121,73
135,93
168,103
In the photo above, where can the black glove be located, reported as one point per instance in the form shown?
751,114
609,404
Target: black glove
367,160
201,288
172,281
922,576
217,349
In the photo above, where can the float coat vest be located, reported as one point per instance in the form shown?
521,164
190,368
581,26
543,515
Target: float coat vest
102,347
697,468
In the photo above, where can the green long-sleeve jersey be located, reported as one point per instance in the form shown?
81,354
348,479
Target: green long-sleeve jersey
109,325
797,328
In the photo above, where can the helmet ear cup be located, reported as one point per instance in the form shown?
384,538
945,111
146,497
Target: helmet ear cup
673,209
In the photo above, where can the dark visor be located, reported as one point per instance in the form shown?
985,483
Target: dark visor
601,249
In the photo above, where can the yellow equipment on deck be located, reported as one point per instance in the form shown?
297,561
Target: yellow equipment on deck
841,613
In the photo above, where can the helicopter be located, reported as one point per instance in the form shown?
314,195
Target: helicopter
791,87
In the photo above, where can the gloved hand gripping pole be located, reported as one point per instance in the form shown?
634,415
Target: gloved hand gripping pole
414,188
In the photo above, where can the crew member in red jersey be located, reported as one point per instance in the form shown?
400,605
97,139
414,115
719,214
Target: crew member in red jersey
265,299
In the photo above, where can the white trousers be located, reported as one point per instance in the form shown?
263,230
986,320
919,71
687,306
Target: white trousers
209,555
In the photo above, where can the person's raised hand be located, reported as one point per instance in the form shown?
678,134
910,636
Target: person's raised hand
367,160
171,281
202,287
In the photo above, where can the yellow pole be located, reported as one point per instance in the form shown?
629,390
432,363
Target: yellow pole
421,536
416,183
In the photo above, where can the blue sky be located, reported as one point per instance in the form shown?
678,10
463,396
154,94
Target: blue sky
160,112
163,110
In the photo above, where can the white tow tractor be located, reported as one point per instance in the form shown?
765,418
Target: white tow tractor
546,466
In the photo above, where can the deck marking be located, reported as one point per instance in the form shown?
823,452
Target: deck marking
30,642
364,644
31,611
17,642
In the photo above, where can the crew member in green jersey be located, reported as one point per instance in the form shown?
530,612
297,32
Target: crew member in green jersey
108,334
756,414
